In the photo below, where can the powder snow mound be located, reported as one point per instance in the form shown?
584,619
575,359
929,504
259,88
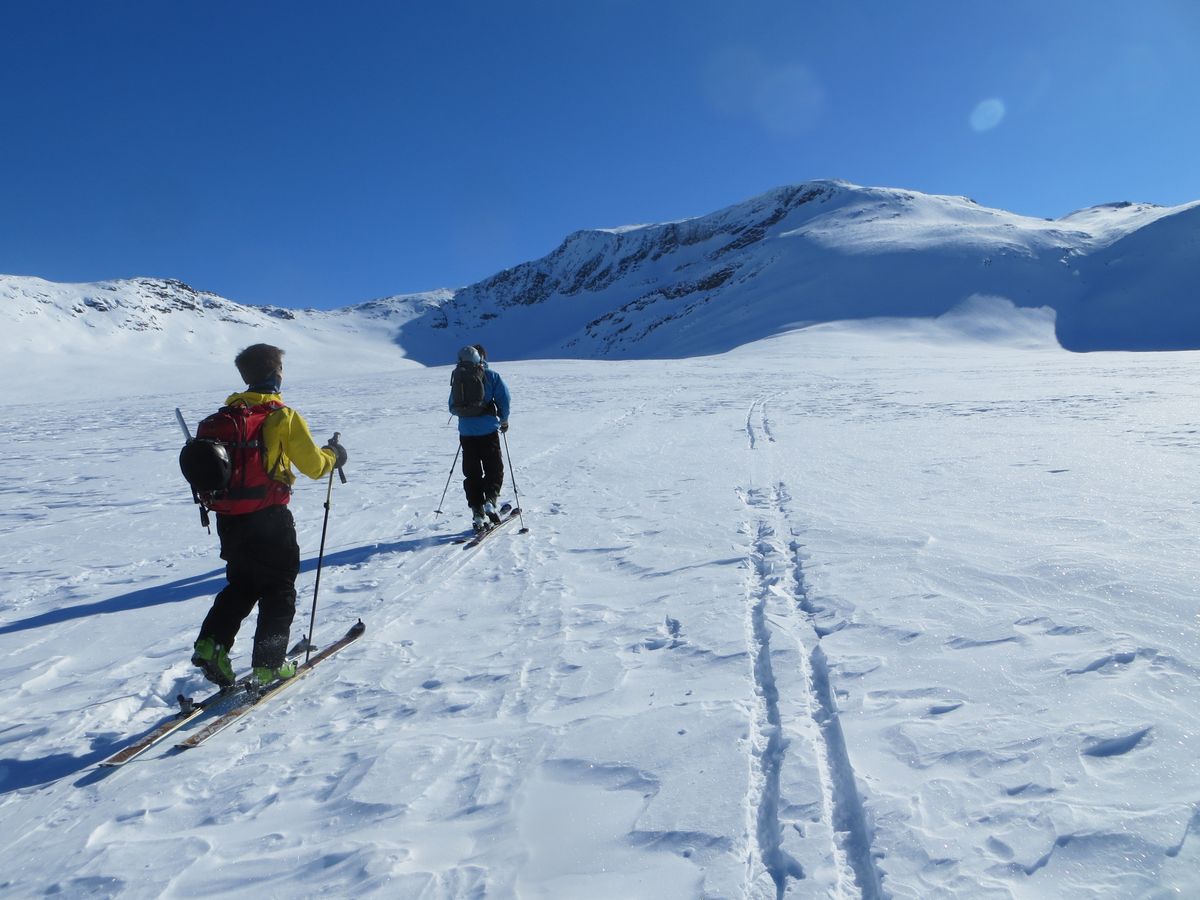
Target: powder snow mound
999,321
978,320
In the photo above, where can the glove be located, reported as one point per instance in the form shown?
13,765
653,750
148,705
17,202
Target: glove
503,427
339,453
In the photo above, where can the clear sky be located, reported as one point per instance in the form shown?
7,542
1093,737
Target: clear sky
325,153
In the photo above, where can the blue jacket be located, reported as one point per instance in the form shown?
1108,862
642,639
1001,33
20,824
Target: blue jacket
478,426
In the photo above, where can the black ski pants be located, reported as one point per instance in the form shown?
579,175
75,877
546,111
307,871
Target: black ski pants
262,560
482,467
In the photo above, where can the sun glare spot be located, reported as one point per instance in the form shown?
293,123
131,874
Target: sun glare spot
988,114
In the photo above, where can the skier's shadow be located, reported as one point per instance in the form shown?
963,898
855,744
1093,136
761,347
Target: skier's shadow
205,585
21,774
173,592
355,556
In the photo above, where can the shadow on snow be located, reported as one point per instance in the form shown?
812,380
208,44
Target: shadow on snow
207,584
19,774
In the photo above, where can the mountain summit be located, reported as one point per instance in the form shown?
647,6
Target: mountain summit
1118,277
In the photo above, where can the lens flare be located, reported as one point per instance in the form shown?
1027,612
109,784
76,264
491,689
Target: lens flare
988,114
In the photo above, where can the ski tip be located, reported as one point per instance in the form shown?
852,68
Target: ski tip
358,628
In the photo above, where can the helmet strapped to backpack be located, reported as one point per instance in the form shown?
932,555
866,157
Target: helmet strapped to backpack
468,385
226,462
206,465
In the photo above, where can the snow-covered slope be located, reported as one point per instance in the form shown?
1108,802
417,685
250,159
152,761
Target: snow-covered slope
1119,276
174,333
827,251
912,616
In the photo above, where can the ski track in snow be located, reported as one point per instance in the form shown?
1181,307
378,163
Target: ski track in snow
790,825
752,646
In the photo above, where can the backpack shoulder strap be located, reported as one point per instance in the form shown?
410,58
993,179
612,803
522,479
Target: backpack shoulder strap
269,406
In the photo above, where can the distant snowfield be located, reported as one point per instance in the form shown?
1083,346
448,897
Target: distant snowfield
877,610
137,336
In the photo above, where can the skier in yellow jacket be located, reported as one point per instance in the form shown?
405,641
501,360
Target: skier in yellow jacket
258,535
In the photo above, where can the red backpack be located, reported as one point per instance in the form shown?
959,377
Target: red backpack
226,462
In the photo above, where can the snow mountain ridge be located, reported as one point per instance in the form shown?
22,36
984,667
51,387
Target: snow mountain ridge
828,251
1117,276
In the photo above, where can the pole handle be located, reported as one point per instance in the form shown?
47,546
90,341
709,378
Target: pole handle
333,442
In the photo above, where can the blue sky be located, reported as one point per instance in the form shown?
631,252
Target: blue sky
320,154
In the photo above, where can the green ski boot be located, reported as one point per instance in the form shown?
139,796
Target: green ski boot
213,661
265,674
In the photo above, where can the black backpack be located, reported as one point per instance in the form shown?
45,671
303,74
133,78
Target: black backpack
468,387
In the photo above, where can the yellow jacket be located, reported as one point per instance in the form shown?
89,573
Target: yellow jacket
288,440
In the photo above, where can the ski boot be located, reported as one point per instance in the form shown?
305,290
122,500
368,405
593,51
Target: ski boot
213,661
479,519
264,675
489,510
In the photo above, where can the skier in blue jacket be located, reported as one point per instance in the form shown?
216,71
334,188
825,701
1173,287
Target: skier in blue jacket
480,399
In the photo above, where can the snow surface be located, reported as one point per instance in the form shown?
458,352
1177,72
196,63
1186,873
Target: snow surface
900,608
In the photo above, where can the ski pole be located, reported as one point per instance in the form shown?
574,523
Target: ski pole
513,475
438,511
312,622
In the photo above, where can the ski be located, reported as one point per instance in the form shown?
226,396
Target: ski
504,511
253,698
189,710
481,536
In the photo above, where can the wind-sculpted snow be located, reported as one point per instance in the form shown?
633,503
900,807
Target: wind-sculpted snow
911,616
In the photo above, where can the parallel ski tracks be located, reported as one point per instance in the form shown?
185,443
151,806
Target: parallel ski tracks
758,426
799,825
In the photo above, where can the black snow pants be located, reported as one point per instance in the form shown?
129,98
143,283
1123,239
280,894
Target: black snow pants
262,560
482,467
